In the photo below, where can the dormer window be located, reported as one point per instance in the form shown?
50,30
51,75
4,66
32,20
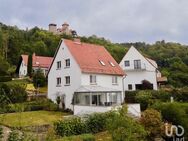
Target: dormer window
67,63
112,64
102,63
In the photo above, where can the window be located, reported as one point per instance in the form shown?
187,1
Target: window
59,81
130,87
93,79
114,80
137,64
102,63
112,64
59,65
127,63
67,62
67,80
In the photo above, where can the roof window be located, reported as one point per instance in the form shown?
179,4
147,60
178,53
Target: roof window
112,64
102,63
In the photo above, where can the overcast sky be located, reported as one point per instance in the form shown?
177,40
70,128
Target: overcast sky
117,20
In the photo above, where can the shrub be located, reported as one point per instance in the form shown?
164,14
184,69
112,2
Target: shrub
14,93
161,95
146,85
124,128
176,113
144,98
73,126
45,104
5,78
130,96
15,136
96,122
39,79
152,121
180,94
88,137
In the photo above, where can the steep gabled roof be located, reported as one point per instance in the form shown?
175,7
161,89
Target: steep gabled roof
93,58
152,62
41,61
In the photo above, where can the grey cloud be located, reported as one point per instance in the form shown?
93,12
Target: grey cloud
120,20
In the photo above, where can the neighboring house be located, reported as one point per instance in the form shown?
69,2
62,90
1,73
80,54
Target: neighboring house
139,68
86,78
38,62
41,62
22,68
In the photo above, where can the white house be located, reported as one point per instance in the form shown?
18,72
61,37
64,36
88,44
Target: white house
139,68
22,69
38,62
86,77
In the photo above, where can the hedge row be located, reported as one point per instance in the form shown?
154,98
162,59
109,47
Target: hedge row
45,104
175,113
180,95
75,126
5,78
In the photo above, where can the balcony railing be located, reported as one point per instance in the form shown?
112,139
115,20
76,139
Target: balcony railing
133,67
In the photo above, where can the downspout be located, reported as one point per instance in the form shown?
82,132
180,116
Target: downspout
123,88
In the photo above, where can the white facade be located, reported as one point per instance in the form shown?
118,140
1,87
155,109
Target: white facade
137,69
23,69
77,79
43,70
73,71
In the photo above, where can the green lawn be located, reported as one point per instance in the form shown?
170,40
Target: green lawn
102,136
18,81
30,118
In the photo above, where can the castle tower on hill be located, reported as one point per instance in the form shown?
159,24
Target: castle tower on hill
63,30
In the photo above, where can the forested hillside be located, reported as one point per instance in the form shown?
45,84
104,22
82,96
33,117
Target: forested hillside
172,58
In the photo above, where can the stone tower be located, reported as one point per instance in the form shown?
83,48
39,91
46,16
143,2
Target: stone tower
53,28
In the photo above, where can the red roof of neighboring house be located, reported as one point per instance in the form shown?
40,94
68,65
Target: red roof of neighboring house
25,59
41,61
88,57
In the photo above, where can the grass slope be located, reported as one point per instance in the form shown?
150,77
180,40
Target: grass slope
30,118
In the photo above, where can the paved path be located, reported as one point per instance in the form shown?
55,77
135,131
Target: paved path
6,132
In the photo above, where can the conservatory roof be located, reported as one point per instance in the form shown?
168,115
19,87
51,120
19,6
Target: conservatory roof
92,88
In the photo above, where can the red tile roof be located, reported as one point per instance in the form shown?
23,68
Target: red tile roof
25,59
88,57
41,61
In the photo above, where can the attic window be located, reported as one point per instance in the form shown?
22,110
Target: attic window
102,63
112,64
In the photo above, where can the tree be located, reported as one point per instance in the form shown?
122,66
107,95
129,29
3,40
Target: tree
39,79
29,66
144,98
124,128
152,121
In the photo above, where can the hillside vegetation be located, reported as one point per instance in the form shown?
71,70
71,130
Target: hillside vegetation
172,58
